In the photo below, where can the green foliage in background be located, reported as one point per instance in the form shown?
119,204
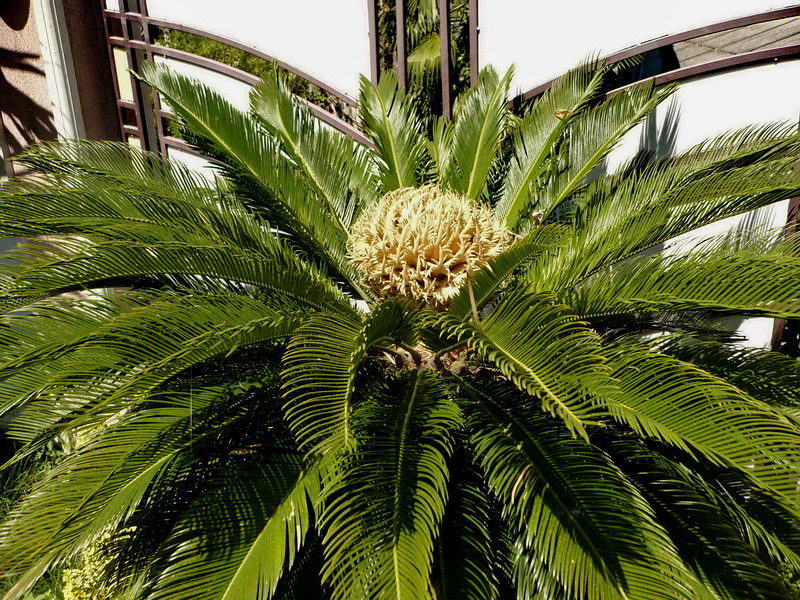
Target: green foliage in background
234,57
423,46
87,578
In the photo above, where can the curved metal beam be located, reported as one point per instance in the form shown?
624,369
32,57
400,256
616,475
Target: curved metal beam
145,20
244,77
772,15
713,66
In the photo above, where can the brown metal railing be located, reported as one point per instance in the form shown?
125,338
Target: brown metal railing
746,58
140,45
147,126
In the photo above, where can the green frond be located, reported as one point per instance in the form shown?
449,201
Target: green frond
623,214
256,162
304,580
395,130
26,581
572,507
423,17
763,523
740,148
30,347
321,364
238,538
77,264
533,580
184,362
467,562
479,122
114,163
542,347
425,60
591,137
383,509
538,135
440,148
150,340
767,376
685,407
335,166
156,229
709,539
719,279
488,279
111,473
93,203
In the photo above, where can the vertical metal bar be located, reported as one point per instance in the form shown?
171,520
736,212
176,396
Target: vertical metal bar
780,331
374,67
155,95
142,90
113,66
794,215
447,63
402,52
474,63
6,168
784,330
138,101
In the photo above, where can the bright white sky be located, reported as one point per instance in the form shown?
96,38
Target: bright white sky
328,39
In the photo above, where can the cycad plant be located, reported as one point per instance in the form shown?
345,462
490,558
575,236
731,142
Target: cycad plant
453,365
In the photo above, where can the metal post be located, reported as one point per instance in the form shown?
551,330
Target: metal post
447,66
139,95
474,64
114,81
374,55
156,110
402,52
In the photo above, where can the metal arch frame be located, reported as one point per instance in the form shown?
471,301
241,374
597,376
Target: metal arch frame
722,64
143,18
145,130
715,65
127,17
675,75
233,73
